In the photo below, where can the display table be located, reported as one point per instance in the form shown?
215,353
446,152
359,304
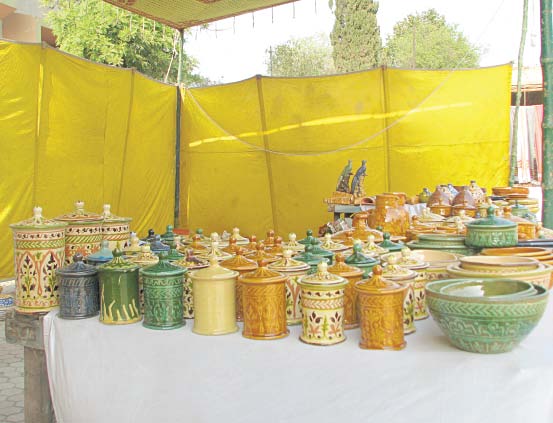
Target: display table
102,374
347,210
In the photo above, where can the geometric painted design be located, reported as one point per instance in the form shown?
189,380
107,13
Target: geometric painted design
264,308
323,316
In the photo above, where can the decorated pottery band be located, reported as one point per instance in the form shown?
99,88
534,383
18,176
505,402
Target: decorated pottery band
115,229
352,275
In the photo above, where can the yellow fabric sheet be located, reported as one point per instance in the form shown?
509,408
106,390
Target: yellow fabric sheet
263,153
105,135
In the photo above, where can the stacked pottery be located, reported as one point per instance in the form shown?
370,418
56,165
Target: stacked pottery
322,301
242,265
214,300
389,215
163,284
443,242
144,259
78,287
464,201
103,255
405,277
352,275
190,262
119,291
526,229
437,263
381,312
491,231
358,259
512,267
293,270
115,229
440,201
39,246
83,233
264,303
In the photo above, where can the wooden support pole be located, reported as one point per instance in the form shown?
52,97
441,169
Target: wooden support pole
547,69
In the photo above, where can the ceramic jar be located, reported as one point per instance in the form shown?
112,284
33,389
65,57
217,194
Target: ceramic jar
389,215
410,262
264,303
83,233
293,270
405,277
322,302
144,259
163,284
360,227
319,251
491,231
389,245
39,246
214,291
242,265
293,244
173,254
330,245
115,229
103,255
424,195
169,235
477,193
308,240
134,247
526,229
157,246
381,312
214,251
119,291
190,262
311,259
361,261
78,286
261,254
352,275
464,201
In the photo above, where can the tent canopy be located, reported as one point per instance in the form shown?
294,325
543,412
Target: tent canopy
181,14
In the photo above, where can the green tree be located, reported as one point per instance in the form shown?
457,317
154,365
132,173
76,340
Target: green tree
355,38
309,56
427,41
103,33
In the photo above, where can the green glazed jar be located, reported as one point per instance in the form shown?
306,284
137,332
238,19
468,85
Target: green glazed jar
163,289
361,261
173,254
319,251
308,240
119,291
389,245
311,259
169,235
491,231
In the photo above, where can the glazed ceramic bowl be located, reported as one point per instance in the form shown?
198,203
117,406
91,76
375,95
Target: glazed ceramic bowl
477,322
517,251
540,276
438,262
504,191
498,264
500,289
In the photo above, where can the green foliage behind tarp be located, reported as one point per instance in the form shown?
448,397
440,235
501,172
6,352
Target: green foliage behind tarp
425,40
100,32
308,56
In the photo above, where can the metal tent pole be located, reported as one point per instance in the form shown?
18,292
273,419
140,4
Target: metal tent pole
178,131
547,69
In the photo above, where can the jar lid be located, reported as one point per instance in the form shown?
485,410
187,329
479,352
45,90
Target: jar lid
491,220
358,258
135,245
169,235
396,272
330,245
80,215
173,254
389,245
239,238
118,263
214,251
77,268
145,256
104,254
157,245
411,261
38,222
191,261
322,277
308,257
214,271
288,264
377,284
163,268
239,262
340,268
308,240
262,275
292,244
372,247
109,217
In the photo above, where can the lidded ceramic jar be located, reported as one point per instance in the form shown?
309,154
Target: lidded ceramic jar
232,248
261,254
214,291
311,259
406,277
169,235
242,265
329,245
526,229
39,247
424,195
190,262
381,312
163,284
264,302
103,255
352,275
215,251
119,291
361,261
322,302
412,262
491,231
477,193
464,201
240,240
372,249
157,246
78,286
115,229
276,249
387,244
83,233
308,240
360,227
134,247
319,251
293,244
389,215
293,270
144,259
150,237
173,254
271,239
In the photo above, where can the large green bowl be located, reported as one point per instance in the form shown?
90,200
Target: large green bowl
482,324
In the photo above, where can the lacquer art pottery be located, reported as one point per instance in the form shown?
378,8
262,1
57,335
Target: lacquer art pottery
352,275
242,265
39,246
116,230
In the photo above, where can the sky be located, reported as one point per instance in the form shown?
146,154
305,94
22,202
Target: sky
235,49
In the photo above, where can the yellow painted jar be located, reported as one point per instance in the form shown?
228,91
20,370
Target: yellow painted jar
353,275
381,312
143,259
322,301
242,265
403,276
115,229
264,302
293,270
412,262
190,262
214,299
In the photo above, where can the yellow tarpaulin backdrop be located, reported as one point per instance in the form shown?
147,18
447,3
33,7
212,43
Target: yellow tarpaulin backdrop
264,152
73,130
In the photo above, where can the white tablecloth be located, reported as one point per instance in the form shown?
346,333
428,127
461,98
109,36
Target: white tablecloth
108,374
